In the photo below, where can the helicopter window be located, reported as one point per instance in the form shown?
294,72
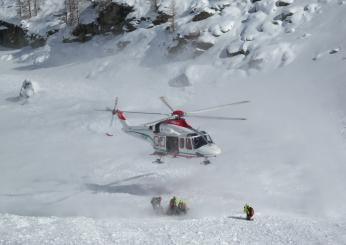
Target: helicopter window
156,141
208,138
188,144
157,128
182,143
162,142
199,141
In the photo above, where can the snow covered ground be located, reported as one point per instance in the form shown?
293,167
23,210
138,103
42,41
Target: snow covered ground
62,181
81,230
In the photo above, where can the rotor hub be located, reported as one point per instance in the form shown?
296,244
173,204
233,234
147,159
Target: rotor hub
178,113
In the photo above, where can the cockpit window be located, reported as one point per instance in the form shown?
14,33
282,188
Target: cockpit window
199,141
208,138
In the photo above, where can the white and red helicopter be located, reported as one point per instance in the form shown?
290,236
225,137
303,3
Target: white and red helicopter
172,135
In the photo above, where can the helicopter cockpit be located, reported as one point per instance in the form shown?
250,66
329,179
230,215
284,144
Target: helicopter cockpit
199,140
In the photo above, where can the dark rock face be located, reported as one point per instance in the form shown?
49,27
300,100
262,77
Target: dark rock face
37,41
13,36
161,18
84,32
111,19
240,52
283,16
202,16
281,4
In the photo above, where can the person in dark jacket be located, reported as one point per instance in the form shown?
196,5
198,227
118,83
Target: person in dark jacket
156,204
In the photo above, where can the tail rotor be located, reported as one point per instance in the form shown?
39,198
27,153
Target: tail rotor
113,118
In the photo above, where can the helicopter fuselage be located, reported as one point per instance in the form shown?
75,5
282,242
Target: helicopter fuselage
174,137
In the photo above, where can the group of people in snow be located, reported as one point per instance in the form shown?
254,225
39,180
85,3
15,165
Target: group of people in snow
177,206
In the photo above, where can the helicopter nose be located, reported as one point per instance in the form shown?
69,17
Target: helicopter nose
209,150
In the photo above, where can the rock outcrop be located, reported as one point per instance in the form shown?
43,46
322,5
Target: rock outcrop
111,19
14,36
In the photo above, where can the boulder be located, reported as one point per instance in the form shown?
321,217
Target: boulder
111,19
202,16
14,36
161,18
283,3
284,17
239,52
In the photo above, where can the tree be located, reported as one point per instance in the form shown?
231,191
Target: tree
72,12
27,8
19,8
173,19
155,4
36,6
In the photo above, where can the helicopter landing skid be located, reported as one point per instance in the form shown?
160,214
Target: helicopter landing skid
206,161
158,161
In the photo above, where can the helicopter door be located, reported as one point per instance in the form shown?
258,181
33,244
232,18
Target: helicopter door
172,144
189,144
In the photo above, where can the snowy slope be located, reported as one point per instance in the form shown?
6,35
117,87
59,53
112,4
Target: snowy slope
267,230
62,181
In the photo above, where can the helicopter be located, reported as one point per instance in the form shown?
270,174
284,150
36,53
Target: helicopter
173,135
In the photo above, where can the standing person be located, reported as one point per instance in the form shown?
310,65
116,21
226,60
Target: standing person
156,204
249,211
27,90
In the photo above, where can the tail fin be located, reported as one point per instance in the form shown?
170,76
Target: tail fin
119,114
121,117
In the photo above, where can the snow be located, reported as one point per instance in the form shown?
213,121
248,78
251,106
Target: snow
266,229
62,181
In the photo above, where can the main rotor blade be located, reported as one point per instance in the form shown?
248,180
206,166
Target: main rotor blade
157,121
137,112
149,113
164,100
219,107
216,117
107,109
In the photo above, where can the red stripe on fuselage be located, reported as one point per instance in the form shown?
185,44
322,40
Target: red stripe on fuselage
178,122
